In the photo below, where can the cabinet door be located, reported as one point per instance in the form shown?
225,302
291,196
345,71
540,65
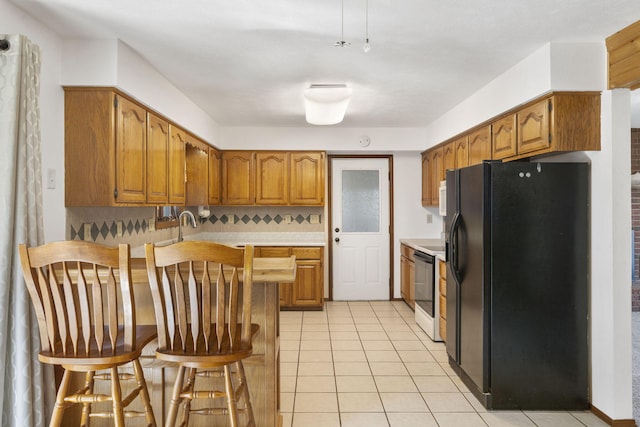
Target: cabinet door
461,148
177,142
131,152
480,145
238,182
426,178
449,154
214,177
157,160
307,288
197,171
307,178
437,174
272,178
278,252
503,137
533,127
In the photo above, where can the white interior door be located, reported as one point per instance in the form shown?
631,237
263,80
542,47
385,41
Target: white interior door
360,228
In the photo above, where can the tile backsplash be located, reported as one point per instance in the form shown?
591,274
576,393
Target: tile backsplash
113,225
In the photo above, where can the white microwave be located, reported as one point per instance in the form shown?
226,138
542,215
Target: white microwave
443,198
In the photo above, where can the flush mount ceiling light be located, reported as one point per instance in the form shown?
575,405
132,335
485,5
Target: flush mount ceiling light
325,104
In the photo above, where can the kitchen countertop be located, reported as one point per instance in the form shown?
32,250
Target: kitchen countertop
431,246
244,238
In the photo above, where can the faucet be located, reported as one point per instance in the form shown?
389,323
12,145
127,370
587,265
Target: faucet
190,218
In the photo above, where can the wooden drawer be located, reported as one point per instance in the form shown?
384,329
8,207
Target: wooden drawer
442,269
443,329
407,251
443,307
307,253
443,287
273,251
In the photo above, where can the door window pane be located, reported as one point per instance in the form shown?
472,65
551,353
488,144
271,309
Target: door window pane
360,201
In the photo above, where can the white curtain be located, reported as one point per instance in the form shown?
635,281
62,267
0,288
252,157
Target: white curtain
27,386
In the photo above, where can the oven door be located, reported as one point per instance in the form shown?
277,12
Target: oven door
424,282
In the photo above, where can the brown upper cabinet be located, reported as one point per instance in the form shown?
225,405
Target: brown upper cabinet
461,146
426,178
434,174
197,171
157,160
215,196
558,122
177,174
238,182
272,176
306,185
480,145
449,156
105,148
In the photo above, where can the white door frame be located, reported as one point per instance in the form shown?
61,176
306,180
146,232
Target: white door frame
330,157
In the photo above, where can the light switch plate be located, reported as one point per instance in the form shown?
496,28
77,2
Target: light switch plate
287,219
231,219
314,219
152,224
119,228
86,227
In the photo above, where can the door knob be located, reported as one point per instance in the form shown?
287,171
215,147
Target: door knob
337,239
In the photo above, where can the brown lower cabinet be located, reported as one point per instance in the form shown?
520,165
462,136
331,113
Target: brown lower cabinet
442,283
307,292
407,275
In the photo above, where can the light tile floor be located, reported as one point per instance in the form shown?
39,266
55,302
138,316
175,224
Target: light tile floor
368,364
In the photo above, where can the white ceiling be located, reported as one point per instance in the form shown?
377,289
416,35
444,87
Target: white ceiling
247,62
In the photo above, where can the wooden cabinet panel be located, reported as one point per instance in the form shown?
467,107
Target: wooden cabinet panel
437,174
197,170
157,160
215,196
307,178
461,148
272,177
407,275
442,284
177,177
131,152
480,145
503,137
533,127
238,181
449,156
426,178
89,154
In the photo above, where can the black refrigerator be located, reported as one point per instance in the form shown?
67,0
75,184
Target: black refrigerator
517,245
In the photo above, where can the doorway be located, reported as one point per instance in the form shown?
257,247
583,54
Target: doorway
360,224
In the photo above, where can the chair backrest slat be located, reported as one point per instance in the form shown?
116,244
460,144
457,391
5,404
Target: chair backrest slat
74,291
70,306
216,313
84,306
206,307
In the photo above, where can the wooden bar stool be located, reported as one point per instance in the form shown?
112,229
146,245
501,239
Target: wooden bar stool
87,323
203,314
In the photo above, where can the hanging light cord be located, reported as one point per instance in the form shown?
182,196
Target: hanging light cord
366,47
341,42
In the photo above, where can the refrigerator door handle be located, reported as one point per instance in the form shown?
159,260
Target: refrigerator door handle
453,247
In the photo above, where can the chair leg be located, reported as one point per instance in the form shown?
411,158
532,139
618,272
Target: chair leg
186,403
116,396
175,398
251,422
58,410
86,407
146,400
231,396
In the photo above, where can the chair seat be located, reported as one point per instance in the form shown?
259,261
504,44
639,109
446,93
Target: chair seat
214,357
96,360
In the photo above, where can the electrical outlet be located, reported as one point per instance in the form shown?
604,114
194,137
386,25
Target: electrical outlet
287,219
429,218
152,224
120,228
86,227
231,219
314,219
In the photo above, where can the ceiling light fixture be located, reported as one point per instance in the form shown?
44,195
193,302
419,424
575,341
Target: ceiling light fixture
366,47
325,104
341,42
